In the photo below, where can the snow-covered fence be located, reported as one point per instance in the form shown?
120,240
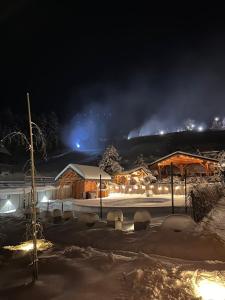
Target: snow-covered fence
203,197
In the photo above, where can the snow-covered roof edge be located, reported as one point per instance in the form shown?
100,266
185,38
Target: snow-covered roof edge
86,172
183,153
126,172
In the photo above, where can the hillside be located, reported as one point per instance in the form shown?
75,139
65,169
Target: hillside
159,145
152,147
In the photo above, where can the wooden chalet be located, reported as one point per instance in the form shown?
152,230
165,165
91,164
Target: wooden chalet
192,164
84,181
137,174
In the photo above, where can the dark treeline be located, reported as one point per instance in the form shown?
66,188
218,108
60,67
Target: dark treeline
48,123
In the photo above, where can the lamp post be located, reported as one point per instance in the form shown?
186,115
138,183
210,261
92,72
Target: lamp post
172,194
100,195
185,189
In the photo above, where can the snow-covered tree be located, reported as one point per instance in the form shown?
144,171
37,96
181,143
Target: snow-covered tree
221,158
110,161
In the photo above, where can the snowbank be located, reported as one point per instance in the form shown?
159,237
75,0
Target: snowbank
86,273
178,223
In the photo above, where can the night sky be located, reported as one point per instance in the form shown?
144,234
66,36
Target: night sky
130,65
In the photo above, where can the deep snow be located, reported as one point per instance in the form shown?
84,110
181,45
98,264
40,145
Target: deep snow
101,263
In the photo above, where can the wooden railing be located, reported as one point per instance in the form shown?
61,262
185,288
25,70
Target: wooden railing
40,181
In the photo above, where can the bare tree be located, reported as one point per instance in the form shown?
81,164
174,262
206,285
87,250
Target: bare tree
35,138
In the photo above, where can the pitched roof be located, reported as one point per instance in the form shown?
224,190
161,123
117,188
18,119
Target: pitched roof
86,172
184,154
134,170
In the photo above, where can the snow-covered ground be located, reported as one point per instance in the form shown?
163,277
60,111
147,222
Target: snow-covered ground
101,263
133,200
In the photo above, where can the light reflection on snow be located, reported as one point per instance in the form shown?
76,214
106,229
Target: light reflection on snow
28,246
210,286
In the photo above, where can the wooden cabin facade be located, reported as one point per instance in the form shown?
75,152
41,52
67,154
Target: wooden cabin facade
136,175
182,162
84,181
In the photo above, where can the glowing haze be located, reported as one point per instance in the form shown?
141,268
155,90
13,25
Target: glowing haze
140,106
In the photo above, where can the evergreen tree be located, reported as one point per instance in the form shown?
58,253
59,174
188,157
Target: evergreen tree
110,161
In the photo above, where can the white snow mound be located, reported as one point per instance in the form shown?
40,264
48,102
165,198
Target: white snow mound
178,223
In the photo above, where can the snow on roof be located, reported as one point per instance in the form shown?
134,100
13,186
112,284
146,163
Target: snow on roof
185,154
86,172
134,170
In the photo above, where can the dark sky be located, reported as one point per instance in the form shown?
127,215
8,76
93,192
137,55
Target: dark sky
142,61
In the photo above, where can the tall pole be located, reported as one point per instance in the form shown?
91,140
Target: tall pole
172,195
33,197
100,195
185,189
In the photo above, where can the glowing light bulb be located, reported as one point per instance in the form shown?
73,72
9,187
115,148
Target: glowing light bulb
216,119
78,145
200,128
161,132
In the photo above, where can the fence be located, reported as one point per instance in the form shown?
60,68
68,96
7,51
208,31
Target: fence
14,198
40,181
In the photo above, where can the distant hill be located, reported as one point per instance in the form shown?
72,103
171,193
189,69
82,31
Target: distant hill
152,147
159,145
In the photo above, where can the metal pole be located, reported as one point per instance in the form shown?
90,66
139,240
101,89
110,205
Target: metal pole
100,195
172,195
33,197
185,190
